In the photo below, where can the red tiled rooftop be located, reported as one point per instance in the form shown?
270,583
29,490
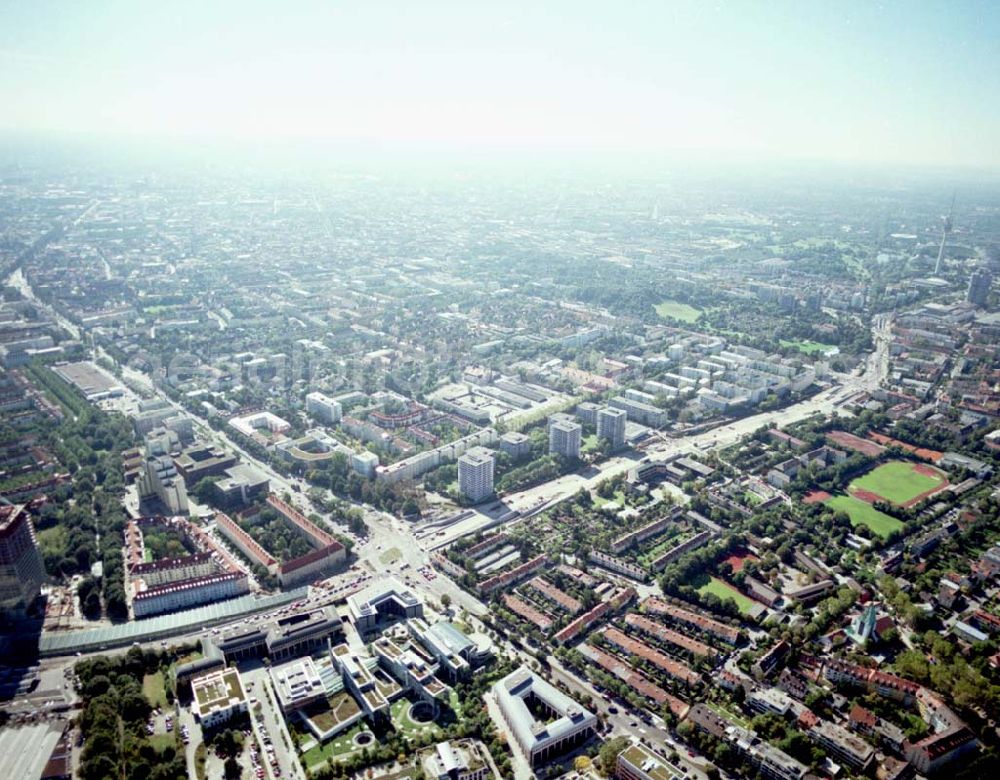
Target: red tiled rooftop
561,598
658,606
582,622
675,669
310,557
862,716
528,612
304,523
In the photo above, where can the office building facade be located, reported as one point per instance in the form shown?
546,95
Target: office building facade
159,479
21,568
564,726
979,286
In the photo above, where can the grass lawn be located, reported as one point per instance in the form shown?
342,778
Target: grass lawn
337,709
340,745
154,689
600,501
161,742
194,655
618,498
663,543
809,347
390,556
896,481
400,717
589,443
725,591
200,757
742,722
678,311
862,513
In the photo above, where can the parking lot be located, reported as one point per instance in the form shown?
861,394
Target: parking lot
277,757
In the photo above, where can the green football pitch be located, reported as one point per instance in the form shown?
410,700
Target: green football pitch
897,481
862,513
725,591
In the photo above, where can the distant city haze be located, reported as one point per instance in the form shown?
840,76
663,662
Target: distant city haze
889,83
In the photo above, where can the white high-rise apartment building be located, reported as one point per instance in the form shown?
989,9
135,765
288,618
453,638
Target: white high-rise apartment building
611,426
475,474
324,408
564,438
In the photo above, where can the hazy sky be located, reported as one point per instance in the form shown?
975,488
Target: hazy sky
908,82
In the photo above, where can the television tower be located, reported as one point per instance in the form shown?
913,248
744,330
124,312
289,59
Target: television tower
946,225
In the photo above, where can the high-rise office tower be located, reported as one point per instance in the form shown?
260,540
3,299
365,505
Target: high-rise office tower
21,568
979,286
